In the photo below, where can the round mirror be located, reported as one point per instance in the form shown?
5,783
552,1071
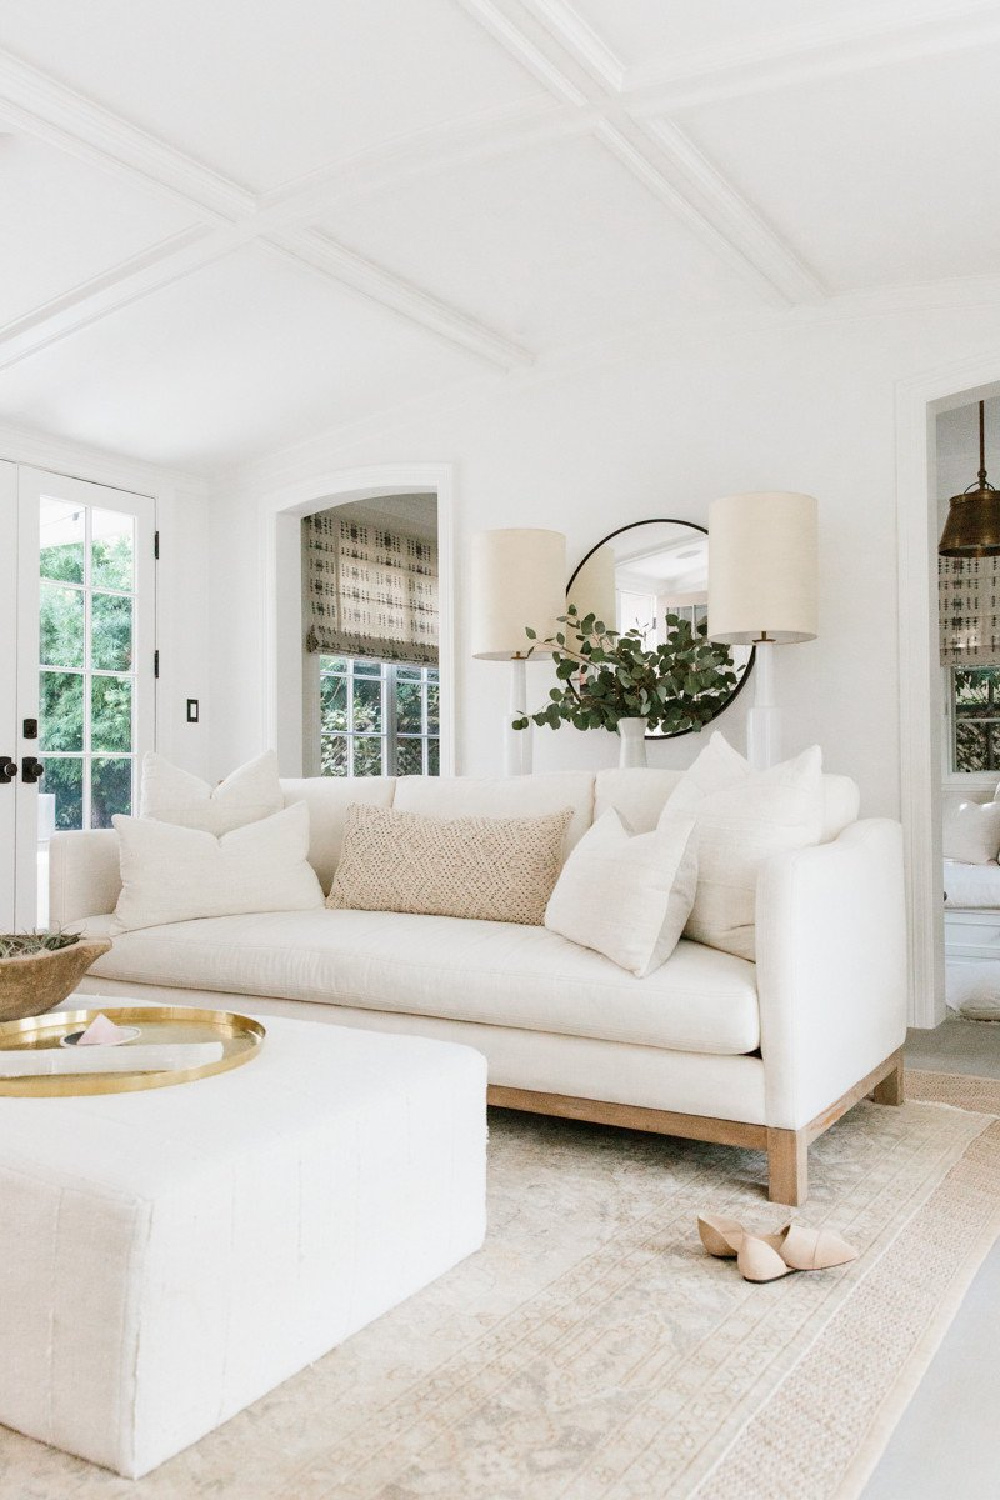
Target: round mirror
641,573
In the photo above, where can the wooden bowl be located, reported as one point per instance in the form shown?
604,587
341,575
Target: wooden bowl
33,983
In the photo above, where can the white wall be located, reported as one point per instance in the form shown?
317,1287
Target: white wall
804,404
183,629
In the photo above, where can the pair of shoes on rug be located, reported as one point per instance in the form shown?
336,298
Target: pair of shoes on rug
765,1257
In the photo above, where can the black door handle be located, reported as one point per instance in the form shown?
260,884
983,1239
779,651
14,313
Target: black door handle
32,770
8,769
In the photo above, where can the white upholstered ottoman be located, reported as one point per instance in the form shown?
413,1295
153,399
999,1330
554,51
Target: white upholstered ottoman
167,1257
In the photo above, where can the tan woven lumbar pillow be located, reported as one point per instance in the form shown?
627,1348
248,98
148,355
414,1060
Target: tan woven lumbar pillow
496,869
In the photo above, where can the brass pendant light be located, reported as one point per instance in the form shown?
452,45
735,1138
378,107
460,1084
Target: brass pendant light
973,525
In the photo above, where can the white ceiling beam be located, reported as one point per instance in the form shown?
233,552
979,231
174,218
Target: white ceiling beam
37,105
876,39
124,284
663,160
512,37
758,245
323,254
32,103
577,37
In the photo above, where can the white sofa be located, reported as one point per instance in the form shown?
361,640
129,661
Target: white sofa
763,1055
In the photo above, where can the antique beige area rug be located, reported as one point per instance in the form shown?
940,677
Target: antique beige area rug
592,1351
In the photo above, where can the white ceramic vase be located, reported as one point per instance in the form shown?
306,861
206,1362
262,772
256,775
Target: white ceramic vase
632,735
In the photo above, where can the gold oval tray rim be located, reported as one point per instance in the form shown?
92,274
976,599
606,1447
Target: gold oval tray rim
78,1084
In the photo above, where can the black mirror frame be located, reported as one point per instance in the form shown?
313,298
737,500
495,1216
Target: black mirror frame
669,521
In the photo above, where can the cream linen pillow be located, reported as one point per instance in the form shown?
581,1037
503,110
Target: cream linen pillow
496,869
742,817
970,831
174,796
172,874
627,895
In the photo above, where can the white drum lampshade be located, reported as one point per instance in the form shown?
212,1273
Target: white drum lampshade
517,579
762,568
763,582
593,588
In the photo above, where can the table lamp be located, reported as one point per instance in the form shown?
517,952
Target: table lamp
762,591
518,579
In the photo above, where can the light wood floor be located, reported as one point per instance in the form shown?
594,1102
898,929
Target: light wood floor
945,1447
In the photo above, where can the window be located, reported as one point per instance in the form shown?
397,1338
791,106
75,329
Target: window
975,718
378,718
86,667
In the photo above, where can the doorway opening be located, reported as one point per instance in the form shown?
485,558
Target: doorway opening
360,630
370,605
969,722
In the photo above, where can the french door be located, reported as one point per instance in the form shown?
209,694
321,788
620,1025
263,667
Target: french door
78,690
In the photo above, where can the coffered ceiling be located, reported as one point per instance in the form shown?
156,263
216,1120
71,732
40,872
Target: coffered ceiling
229,226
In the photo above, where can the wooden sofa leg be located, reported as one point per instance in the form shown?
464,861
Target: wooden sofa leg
892,1089
786,1165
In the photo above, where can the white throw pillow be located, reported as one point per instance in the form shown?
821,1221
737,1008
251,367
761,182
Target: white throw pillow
174,796
172,874
970,831
627,895
742,817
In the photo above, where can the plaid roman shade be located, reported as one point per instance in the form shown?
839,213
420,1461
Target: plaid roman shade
969,609
372,590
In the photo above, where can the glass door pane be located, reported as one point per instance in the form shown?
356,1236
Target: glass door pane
85,659
86,564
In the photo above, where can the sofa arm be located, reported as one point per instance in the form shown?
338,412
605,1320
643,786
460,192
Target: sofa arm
831,968
84,876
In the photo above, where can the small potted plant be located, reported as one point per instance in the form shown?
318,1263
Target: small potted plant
609,680
38,970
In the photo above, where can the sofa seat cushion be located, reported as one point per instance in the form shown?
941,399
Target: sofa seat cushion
493,973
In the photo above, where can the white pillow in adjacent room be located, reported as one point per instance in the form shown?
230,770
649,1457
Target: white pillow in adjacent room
173,874
174,796
970,831
627,895
742,817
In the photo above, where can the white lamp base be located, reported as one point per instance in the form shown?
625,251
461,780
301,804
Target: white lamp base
517,742
764,719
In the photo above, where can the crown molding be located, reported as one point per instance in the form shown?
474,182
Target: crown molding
60,455
323,254
297,461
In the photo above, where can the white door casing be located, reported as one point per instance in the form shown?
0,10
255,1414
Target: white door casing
918,402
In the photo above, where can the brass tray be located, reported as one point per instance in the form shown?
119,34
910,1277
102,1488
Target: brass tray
240,1036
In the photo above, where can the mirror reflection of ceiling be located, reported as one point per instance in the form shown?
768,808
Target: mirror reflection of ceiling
644,572
666,558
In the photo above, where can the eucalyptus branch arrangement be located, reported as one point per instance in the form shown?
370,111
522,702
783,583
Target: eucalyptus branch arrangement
607,675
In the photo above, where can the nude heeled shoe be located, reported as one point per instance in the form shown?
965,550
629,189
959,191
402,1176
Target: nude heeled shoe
804,1249
766,1257
720,1237
758,1260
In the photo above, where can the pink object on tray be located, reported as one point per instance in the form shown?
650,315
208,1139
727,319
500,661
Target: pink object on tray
104,1033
